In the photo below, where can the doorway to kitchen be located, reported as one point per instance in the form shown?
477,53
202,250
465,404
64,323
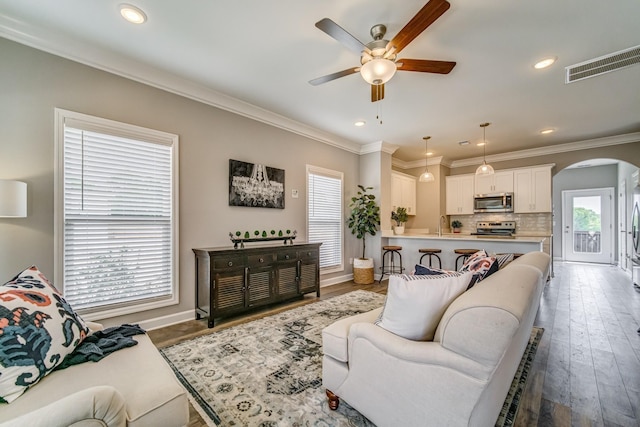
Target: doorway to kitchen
587,225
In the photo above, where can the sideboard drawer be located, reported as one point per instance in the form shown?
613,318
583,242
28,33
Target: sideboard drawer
260,260
228,262
287,255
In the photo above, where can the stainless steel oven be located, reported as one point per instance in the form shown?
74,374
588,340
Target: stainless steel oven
499,202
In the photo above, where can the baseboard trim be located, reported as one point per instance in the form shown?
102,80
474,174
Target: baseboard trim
168,320
335,280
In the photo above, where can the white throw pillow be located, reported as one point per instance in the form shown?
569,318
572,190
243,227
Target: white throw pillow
415,304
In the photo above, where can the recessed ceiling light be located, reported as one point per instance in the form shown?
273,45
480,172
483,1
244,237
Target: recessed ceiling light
429,153
480,144
547,131
360,123
544,63
132,14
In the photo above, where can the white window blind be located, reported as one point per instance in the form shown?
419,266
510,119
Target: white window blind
325,215
118,219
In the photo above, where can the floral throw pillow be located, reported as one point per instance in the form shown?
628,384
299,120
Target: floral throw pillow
38,329
481,265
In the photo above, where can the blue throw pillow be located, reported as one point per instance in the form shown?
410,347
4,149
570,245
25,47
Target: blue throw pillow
422,270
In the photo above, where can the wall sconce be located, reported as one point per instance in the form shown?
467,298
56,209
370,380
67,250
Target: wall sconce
13,199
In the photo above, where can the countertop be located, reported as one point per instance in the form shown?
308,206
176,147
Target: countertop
465,236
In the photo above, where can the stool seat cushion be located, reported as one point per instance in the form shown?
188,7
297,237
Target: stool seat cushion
392,248
415,304
465,251
429,251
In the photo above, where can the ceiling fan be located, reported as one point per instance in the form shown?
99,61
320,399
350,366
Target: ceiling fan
378,58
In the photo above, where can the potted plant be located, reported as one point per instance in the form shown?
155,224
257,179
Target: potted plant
455,225
400,216
364,219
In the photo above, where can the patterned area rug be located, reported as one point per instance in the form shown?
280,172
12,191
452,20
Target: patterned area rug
268,372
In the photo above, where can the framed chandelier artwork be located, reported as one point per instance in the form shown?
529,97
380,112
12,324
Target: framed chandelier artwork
255,185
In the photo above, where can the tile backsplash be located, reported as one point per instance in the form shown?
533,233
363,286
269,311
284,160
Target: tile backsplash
539,223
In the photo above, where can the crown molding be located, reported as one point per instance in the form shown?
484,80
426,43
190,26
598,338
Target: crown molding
378,147
79,51
431,161
552,149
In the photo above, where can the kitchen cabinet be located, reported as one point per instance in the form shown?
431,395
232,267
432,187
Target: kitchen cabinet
532,190
233,281
459,194
499,182
403,192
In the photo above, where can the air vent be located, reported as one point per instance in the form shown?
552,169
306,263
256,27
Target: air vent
603,64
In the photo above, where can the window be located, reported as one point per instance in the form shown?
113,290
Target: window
116,215
324,215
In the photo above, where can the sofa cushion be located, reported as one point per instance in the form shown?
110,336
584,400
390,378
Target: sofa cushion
153,394
38,328
415,304
481,265
335,336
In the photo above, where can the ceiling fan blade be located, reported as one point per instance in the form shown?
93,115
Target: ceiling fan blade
425,65
340,34
337,75
377,92
425,17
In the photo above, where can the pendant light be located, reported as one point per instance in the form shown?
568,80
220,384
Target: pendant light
484,168
426,176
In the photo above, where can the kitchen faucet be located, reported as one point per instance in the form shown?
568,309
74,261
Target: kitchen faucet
442,220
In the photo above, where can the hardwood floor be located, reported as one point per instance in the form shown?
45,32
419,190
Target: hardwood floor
587,368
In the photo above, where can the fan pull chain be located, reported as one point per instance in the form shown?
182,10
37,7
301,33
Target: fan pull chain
379,114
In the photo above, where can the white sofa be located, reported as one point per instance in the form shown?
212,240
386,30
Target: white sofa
462,377
132,387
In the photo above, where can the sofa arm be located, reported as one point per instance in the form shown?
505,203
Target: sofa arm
417,352
100,405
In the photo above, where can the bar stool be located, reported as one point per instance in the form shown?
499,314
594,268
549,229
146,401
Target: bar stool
464,254
430,253
391,269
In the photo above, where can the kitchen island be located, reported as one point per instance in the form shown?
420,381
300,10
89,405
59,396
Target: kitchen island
411,242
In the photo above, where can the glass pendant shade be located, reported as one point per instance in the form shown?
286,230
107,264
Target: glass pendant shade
484,168
378,71
427,177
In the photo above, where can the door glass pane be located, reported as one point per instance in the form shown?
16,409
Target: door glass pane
587,224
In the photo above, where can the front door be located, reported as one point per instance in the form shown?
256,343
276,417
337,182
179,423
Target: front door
588,225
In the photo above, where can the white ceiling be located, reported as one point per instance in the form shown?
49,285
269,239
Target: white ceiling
256,57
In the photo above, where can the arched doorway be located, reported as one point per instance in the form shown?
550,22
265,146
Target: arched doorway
592,212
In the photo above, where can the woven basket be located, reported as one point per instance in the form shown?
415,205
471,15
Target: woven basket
363,276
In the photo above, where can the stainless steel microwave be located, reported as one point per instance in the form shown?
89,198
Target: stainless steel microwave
499,202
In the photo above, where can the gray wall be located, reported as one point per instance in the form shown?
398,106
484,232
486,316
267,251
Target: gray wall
33,83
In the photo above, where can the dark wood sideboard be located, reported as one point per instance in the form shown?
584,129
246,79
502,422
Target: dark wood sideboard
231,281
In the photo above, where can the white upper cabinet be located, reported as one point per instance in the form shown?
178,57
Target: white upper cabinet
403,192
532,190
459,194
499,182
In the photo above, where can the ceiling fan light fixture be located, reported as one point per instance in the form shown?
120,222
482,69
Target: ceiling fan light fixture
378,71
484,169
